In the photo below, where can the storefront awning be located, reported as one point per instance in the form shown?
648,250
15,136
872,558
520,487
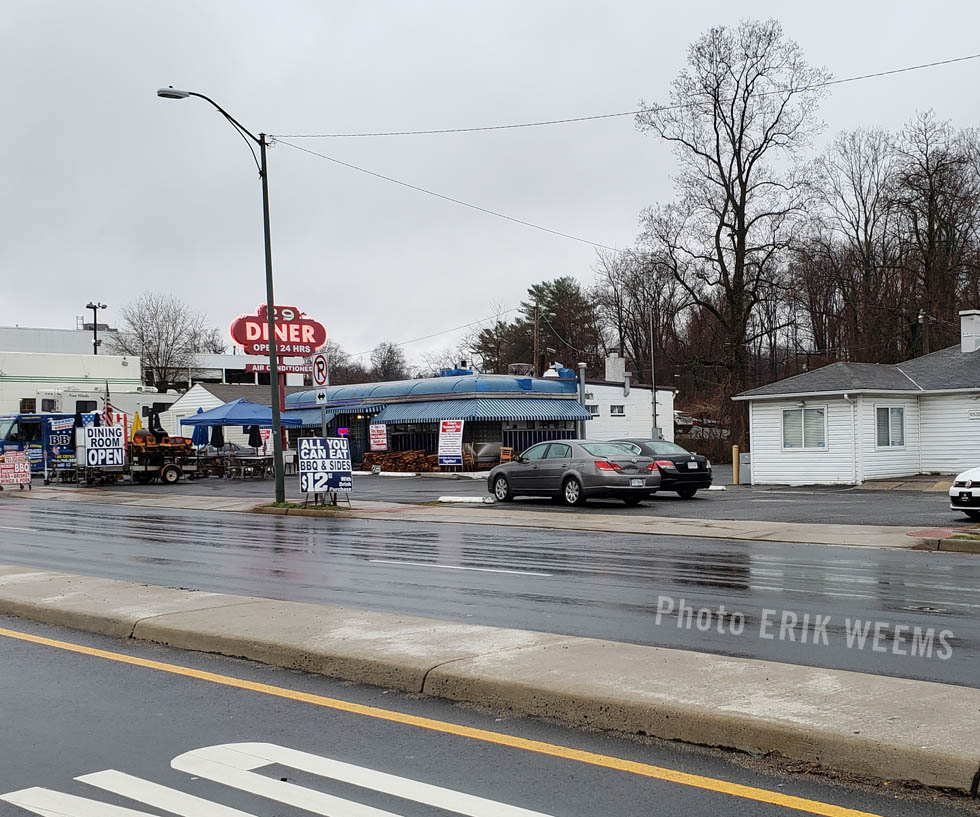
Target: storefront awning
310,417
483,408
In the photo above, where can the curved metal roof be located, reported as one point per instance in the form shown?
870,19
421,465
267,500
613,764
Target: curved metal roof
397,391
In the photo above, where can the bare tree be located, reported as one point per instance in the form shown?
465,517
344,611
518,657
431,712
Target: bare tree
388,362
166,335
939,196
739,117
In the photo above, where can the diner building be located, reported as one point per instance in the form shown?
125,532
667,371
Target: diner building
499,411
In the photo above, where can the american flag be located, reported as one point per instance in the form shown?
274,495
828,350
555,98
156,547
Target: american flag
107,410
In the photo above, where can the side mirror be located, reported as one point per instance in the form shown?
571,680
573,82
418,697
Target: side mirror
519,458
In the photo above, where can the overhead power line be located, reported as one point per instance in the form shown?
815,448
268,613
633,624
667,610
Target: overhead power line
495,316
446,198
594,117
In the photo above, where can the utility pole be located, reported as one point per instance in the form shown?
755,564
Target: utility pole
537,355
653,382
95,306
924,319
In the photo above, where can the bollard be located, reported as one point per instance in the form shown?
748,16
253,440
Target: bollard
735,464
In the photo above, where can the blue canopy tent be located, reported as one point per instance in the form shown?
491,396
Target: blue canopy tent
240,412
200,436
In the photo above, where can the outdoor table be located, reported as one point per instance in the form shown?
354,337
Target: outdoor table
258,465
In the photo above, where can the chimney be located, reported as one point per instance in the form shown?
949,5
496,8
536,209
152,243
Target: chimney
969,330
616,367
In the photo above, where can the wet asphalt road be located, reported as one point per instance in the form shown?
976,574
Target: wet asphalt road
69,715
664,591
818,504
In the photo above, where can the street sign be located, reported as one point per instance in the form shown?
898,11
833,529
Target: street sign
321,376
324,465
321,397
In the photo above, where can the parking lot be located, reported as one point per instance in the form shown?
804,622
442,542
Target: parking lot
813,504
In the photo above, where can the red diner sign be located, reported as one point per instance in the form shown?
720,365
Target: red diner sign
296,333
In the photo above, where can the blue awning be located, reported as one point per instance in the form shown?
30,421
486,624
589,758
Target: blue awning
310,417
483,408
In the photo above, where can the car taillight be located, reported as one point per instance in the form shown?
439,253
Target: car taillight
664,464
604,465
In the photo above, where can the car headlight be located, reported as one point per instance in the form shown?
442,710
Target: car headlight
968,483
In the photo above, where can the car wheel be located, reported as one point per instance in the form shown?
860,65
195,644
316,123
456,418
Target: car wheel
686,493
973,514
169,474
571,492
501,490
633,500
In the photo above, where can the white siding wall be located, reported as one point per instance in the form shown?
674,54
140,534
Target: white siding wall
774,465
638,419
197,397
23,374
892,461
950,439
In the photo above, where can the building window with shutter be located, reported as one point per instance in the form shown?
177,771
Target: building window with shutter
592,409
805,428
890,423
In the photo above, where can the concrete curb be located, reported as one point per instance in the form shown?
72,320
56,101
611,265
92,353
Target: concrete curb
883,727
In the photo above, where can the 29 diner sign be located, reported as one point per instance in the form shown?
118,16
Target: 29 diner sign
296,333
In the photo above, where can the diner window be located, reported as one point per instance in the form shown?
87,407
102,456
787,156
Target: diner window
890,426
49,404
85,406
805,428
592,409
28,405
617,411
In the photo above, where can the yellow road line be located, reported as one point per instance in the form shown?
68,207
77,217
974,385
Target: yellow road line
540,747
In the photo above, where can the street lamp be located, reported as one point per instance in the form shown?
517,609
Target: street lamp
260,140
95,306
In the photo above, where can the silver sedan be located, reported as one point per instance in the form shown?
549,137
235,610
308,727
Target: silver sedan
574,471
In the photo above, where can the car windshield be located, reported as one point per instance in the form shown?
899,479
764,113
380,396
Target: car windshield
608,450
6,423
666,449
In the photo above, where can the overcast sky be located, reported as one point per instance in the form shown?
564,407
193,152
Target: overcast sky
108,190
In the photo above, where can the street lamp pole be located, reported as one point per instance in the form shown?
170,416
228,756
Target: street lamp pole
262,142
95,306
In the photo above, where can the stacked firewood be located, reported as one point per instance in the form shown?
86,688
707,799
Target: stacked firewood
410,461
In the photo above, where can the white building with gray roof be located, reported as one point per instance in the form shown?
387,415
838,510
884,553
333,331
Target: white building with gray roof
850,422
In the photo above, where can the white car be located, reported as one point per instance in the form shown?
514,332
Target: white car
964,496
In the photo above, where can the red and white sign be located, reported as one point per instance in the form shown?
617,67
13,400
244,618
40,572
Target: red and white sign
296,333
451,442
15,469
321,372
379,436
282,368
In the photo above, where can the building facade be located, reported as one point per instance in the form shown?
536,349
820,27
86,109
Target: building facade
850,422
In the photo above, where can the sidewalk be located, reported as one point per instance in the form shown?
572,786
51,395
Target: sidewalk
887,728
501,515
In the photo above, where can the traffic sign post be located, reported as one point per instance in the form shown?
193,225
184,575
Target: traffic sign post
321,401
321,374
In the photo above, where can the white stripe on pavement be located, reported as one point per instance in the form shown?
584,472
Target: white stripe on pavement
458,567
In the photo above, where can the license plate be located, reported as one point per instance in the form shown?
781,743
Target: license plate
693,466
965,497
637,483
